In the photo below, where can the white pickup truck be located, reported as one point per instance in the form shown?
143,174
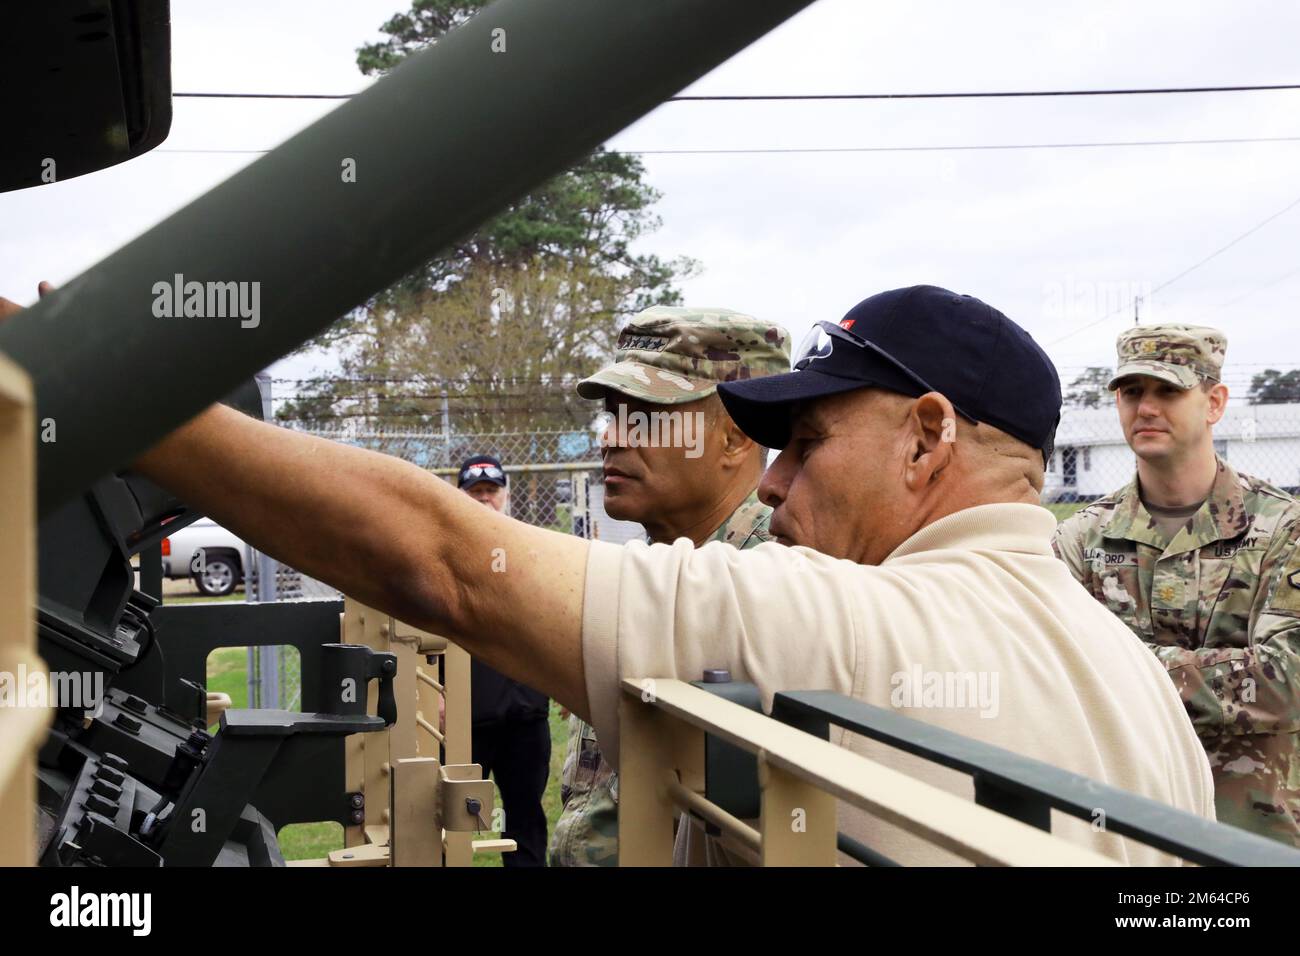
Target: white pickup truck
206,552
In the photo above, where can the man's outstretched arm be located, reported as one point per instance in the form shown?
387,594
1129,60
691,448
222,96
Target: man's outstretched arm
394,537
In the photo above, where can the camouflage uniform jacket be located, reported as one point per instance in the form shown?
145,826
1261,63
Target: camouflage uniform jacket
587,832
1220,607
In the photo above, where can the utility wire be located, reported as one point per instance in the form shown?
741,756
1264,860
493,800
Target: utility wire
1190,269
960,147
878,149
804,97
1139,91
1258,288
1222,249
265,96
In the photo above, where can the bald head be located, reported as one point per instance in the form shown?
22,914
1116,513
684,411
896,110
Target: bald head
867,469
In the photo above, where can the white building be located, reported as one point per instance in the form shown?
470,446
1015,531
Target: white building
1092,458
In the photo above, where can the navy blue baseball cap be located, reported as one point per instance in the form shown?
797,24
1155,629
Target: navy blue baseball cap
481,468
912,341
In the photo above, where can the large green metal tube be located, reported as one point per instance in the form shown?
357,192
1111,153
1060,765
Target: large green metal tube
440,145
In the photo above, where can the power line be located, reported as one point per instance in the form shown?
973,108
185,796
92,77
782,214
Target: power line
1258,288
1222,249
960,147
1192,268
264,96
878,149
805,97
1138,91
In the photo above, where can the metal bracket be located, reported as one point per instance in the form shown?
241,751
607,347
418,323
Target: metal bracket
464,797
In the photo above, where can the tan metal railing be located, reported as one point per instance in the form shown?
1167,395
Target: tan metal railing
414,803
22,728
661,774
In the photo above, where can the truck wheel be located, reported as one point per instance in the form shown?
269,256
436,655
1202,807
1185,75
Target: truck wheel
219,576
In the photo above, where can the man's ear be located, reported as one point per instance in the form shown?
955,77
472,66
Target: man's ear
736,445
932,425
1218,403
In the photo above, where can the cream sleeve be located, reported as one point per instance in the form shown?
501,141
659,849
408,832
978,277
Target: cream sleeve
782,618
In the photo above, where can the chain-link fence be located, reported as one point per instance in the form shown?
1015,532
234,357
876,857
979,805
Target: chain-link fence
553,481
554,476
1092,457
443,452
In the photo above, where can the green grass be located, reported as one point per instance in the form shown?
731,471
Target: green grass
1063,509
310,841
559,739
228,674
551,796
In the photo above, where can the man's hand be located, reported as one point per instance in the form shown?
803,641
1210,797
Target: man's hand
8,308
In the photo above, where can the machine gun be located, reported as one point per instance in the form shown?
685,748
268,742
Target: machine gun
131,776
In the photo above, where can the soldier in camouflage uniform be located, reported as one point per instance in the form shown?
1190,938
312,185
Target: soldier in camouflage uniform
668,359
1202,563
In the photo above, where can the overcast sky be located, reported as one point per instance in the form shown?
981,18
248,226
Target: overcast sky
1055,238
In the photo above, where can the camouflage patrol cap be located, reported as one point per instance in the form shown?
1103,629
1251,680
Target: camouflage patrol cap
667,355
1179,354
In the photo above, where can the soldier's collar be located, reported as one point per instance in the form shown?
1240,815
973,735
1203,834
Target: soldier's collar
1130,519
747,506
1221,518
1226,505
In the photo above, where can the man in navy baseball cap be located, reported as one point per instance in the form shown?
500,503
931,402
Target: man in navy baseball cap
913,341
918,403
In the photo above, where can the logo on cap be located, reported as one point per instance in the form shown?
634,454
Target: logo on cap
642,342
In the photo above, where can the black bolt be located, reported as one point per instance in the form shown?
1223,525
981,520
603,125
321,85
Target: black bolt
106,789
127,723
110,774
113,760
98,804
